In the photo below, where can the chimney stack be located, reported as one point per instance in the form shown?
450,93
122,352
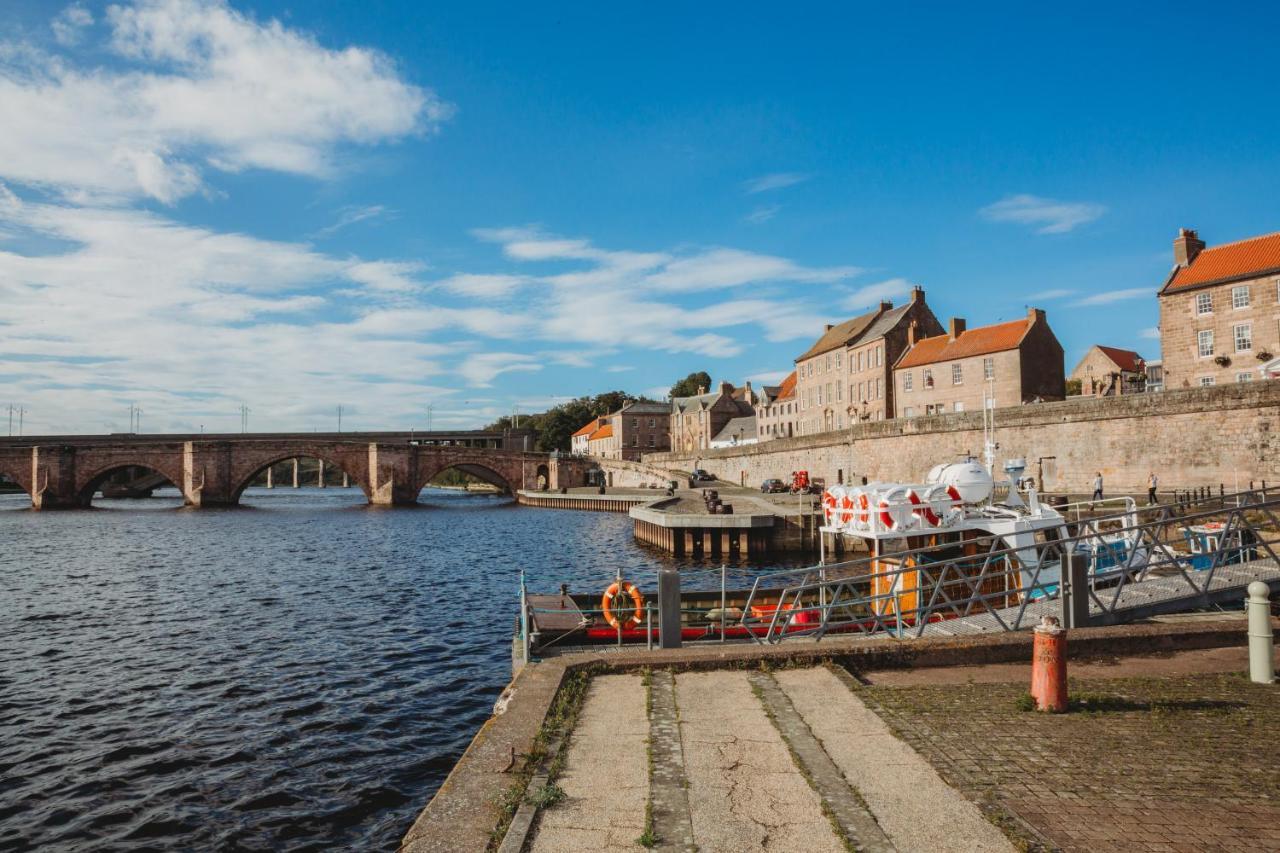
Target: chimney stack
725,387
911,335
885,306
828,327
1186,246
1036,314
917,294
702,389
956,328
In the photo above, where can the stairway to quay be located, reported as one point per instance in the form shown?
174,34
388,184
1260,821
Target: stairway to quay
877,745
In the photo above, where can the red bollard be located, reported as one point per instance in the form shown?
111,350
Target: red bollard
1049,666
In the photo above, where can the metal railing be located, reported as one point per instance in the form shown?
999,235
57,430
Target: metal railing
1098,569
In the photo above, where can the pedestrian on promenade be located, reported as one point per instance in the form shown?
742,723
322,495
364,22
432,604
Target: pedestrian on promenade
1152,482
1097,488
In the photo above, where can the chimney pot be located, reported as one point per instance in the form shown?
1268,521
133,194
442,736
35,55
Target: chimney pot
917,294
886,306
957,327
828,327
1186,246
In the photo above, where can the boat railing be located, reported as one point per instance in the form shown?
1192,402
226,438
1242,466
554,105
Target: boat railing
902,593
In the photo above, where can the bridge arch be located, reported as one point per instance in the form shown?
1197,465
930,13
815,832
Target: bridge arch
15,474
478,467
88,484
249,470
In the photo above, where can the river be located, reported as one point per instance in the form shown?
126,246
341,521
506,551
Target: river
297,674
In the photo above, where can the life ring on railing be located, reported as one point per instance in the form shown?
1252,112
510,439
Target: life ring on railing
864,508
846,509
923,510
954,494
625,588
828,506
885,518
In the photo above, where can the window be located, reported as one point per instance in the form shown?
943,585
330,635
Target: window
1240,296
653,422
862,392
828,392
859,361
1204,303
879,356
819,395
879,388
927,378
959,406
1243,334
908,412
988,369
906,381
1206,381
839,391
1244,376
827,363
635,441
957,374
635,423
838,358
1204,341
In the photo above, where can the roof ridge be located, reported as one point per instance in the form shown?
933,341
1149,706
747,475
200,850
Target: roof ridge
1236,242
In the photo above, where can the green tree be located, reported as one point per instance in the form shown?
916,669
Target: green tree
689,386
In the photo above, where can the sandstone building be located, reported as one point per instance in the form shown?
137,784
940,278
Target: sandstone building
1220,311
1016,362
847,375
631,431
698,419
777,410
1110,372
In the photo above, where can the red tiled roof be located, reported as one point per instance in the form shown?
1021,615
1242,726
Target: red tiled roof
588,429
1125,359
787,389
980,341
605,431
1242,259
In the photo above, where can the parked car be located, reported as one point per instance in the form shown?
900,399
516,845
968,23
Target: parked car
773,486
817,486
700,478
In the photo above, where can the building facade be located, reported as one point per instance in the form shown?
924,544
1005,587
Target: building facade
696,420
1012,363
846,376
1220,311
640,428
1110,372
739,431
777,410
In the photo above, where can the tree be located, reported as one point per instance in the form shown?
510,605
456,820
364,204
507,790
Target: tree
1074,388
689,386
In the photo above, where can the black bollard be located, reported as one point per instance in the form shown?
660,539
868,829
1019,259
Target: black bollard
669,608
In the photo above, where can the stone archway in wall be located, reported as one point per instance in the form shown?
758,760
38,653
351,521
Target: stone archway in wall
481,471
542,477
333,468
87,485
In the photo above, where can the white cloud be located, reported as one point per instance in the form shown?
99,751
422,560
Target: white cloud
206,86
480,370
761,215
1050,215
619,368
774,181
873,294
68,27
1115,296
1151,333
350,216
482,286
772,377
1048,295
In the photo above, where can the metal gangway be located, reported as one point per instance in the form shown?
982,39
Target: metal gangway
1104,570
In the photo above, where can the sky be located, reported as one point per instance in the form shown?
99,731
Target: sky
438,213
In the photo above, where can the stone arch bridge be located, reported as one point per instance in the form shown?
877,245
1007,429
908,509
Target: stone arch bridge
64,472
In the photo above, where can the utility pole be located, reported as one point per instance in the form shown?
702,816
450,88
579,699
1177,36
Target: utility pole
430,411
339,418
244,418
21,412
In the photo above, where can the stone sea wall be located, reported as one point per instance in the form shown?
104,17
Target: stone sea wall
1227,434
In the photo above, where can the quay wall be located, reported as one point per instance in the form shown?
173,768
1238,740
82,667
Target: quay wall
1227,434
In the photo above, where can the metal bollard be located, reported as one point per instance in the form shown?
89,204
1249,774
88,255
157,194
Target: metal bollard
1261,637
669,608
1049,666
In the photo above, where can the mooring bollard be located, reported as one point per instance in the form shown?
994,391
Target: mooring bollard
669,608
1049,665
1261,638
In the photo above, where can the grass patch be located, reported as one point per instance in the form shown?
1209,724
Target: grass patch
546,796
1025,702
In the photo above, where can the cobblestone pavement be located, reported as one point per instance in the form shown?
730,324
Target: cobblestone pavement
1168,764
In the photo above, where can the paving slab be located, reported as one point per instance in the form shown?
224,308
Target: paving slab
606,773
913,805
745,792
668,786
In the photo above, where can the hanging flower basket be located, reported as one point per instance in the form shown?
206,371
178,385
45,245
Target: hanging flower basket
1264,355
1222,360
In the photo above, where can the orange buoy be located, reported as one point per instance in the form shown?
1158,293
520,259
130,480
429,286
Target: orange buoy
637,599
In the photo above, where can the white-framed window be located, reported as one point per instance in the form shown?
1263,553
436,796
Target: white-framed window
879,356
909,412
839,356
1204,303
927,379
859,361
652,439
1206,381
827,362
959,406
1204,342
839,391
1243,335
957,374
819,395
879,388
635,441
988,369
1244,376
1278,290
862,392
653,422
1240,296
906,381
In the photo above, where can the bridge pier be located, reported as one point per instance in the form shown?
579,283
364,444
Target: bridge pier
320,475
270,483
295,472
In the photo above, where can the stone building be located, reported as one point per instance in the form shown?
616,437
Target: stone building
602,442
738,431
696,420
578,442
1110,372
1220,311
640,428
777,410
846,376
1015,362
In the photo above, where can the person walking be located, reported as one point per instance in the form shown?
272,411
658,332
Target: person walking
1152,482
1097,487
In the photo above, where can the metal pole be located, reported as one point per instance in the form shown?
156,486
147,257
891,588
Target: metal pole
723,601
648,625
524,619
1261,638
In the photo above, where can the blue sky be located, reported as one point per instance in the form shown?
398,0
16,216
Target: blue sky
393,205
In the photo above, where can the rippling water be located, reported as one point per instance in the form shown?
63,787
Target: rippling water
300,674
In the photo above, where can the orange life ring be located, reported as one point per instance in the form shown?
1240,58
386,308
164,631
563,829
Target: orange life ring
885,518
924,511
846,509
954,494
828,506
637,599
864,508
